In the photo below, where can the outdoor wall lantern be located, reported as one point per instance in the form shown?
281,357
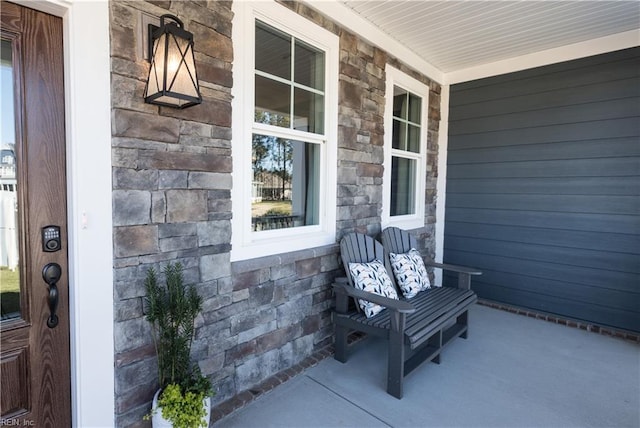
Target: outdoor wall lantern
172,78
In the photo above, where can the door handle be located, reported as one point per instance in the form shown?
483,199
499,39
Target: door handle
51,274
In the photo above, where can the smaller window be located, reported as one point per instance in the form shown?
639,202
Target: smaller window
405,150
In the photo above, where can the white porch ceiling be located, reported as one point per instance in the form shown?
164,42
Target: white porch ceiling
457,35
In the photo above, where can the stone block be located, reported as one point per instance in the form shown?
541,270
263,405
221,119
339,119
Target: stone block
127,123
250,319
128,178
369,170
350,95
294,311
127,309
135,240
211,111
307,268
122,41
137,373
283,271
347,175
294,352
257,331
124,158
209,180
158,207
168,179
131,334
212,364
212,43
330,262
213,232
186,206
215,266
261,295
177,243
257,369
245,279
185,161
277,338
131,207
138,396
215,74
176,229
240,352
216,302
224,312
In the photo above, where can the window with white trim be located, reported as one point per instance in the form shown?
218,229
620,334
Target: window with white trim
405,150
285,132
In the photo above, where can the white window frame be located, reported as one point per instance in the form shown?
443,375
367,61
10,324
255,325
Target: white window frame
397,78
245,243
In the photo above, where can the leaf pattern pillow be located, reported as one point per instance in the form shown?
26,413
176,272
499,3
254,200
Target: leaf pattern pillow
372,277
410,272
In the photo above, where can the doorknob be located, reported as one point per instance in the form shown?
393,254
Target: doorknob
51,274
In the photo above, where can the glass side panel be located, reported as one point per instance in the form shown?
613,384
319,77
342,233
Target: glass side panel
286,183
9,247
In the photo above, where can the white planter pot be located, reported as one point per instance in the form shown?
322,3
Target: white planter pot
158,421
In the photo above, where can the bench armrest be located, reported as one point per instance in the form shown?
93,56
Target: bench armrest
342,286
453,268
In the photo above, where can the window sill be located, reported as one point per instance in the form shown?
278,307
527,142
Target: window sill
268,244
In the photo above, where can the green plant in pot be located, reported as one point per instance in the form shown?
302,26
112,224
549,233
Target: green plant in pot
183,400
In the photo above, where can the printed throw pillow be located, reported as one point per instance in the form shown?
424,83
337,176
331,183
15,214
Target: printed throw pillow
410,272
372,277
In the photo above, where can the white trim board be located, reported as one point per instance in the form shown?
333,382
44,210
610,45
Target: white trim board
585,49
88,134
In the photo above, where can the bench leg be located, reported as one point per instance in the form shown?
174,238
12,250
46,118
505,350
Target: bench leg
464,320
341,343
395,363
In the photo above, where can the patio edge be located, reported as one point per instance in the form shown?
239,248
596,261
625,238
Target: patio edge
583,325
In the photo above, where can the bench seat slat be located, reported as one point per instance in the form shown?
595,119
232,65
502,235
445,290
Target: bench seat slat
430,305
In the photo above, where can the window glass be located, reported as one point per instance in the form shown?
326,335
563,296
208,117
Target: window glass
273,102
413,139
273,51
10,208
403,179
308,111
399,103
309,66
399,135
295,104
285,185
415,108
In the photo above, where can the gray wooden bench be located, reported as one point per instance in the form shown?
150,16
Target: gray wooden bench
417,329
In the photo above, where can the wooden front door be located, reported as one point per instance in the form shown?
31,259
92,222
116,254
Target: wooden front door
34,328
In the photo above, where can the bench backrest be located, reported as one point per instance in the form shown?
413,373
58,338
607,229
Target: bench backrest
360,248
398,241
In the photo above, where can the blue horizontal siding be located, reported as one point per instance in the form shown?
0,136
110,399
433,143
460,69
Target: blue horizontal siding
543,187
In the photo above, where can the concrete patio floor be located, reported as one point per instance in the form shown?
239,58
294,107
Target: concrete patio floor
513,371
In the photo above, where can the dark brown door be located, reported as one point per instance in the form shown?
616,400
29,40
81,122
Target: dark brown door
34,328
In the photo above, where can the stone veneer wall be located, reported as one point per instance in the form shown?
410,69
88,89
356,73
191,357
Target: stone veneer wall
171,202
